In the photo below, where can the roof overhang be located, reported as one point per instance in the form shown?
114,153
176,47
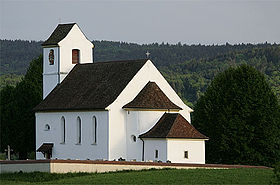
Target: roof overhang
70,110
49,45
150,109
175,138
45,148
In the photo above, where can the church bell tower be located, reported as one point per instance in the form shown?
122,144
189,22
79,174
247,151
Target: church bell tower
66,47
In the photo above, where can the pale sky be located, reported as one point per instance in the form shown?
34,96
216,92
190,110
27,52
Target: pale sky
190,22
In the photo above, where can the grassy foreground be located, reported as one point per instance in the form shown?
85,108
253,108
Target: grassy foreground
165,176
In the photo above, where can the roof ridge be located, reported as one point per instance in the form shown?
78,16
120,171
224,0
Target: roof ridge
134,60
113,61
67,23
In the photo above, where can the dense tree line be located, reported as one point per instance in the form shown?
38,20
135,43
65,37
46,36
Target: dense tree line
241,115
15,55
191,77
16,109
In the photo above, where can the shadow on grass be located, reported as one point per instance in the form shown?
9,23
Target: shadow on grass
45,176
38,176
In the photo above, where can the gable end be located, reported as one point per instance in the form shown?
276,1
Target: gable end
58,34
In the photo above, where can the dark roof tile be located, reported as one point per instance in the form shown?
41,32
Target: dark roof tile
45,148
173,125
58,34
92,86
151,97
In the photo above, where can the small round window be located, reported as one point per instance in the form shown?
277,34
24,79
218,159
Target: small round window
133,138
47,127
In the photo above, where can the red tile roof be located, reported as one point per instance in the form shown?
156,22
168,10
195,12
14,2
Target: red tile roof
173,125
151,97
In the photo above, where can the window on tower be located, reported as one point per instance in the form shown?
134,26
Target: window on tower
51,57
75,56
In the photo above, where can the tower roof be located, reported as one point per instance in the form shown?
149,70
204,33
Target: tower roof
58,34
151,97
92,86
173,125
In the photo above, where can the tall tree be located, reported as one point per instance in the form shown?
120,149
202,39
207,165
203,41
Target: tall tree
241,115
17,115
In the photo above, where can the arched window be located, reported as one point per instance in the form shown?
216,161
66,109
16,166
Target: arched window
47,127
75,56
62,129
51,57
94,130
79,130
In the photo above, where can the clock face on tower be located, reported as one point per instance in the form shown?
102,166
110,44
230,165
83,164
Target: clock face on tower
51,57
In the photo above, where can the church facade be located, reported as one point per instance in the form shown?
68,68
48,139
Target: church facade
109,110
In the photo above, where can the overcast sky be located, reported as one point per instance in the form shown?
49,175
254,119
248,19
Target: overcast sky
190,22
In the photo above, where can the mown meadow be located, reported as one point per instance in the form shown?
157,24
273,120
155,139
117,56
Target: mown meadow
153,176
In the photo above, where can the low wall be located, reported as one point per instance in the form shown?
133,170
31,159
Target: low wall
65,166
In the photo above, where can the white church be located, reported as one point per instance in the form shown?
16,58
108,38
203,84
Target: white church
109,110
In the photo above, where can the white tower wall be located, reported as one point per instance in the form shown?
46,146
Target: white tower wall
55,74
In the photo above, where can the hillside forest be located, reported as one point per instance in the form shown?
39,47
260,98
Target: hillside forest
188,68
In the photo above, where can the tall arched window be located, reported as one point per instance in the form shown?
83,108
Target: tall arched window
94,130
75,56
79,130
62,129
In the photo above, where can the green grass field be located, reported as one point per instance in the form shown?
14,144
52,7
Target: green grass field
165,176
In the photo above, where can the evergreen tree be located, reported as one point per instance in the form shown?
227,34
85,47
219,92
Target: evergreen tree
17,115
241,115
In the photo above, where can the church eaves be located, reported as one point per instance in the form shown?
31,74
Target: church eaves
173,125
92,86
58,34
151,97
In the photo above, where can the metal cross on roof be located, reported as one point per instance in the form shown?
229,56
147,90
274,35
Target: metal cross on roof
148,54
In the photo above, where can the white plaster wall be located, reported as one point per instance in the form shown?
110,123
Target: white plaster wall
139,122
117,133
70,149
50,72
117,117
74,40
149,73
82,167
99,168
151,145
49,83
195,148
